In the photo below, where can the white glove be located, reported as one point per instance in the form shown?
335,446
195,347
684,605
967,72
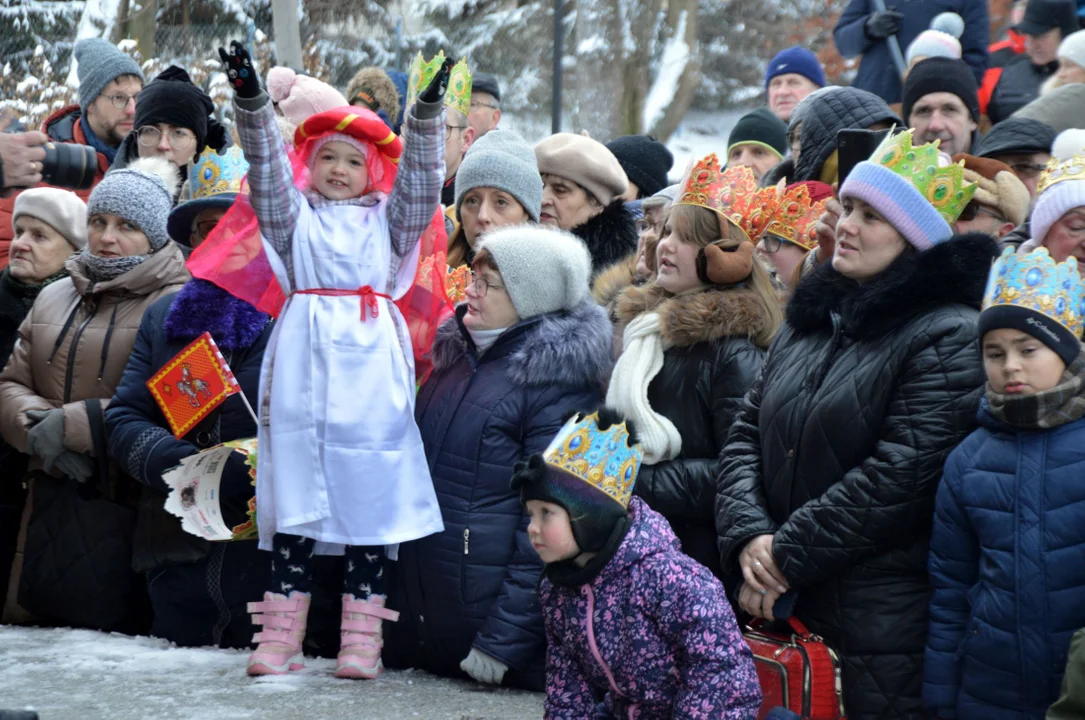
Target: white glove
484,668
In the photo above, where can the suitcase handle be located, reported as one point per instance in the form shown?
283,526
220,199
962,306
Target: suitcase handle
798,630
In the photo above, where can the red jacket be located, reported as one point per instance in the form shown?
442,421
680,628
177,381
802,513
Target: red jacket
63,126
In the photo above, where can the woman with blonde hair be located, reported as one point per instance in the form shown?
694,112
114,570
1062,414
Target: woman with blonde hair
692,344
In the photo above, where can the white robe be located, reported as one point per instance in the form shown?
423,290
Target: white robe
340,457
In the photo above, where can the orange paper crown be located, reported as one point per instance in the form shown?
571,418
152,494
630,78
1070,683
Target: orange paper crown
733,193
796,217
195,382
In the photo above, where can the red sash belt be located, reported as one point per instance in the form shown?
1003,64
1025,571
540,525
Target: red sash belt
367,294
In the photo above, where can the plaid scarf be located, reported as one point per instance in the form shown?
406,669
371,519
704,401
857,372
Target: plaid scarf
1060,405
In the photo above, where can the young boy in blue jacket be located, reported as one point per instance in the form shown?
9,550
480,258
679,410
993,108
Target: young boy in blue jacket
1008,550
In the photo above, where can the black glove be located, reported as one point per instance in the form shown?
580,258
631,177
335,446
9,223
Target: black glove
239,69
882,24
435,91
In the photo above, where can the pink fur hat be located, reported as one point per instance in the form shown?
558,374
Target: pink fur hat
299,96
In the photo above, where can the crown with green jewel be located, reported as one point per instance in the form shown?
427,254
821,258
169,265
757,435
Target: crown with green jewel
943,186
458,96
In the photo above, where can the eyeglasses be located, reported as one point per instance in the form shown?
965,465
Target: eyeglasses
972,210
482,286
179,138
1027,170
772,243
644,226
450,128
204,228
479,103
120,100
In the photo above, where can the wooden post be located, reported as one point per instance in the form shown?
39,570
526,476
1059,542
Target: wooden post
287,33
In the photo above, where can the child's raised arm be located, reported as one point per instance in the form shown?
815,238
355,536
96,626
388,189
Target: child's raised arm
275,199
417,190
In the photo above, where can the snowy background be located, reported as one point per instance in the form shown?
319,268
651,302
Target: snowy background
85,675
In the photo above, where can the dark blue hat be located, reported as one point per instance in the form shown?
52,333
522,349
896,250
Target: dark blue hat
796,60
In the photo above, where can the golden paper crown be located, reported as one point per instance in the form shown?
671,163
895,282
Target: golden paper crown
944,187
1058,170
458,96
733,193
796,217
1036,282
603,459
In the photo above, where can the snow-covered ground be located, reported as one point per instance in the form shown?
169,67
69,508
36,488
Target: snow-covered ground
85,675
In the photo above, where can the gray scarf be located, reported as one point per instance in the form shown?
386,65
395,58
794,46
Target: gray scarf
100,269
1060,405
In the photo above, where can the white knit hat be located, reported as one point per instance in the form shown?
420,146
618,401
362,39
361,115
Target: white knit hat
544,270
1060,198
941,40
1072,48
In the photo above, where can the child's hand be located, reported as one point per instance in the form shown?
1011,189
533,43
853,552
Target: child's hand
239,69
435,91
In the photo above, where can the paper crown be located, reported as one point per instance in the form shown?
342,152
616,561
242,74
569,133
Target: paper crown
458,96
1035,282
796,217
1057,171
944,187
214,174
603,459
733,193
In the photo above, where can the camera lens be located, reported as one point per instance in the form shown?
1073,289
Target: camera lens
70,166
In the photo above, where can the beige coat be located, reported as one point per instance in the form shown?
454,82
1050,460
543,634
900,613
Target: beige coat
74,346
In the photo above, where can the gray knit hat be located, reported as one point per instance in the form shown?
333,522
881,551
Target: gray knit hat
62,210
502,159
142,194
544,270
100,62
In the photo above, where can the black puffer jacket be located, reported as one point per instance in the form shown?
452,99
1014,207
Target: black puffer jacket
610,236
1017,87
838,452
710,365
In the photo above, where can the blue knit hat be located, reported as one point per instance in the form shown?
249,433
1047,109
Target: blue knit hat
100,62
796,60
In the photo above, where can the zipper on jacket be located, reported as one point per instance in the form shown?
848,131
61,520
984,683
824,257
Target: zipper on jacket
466,541
69,372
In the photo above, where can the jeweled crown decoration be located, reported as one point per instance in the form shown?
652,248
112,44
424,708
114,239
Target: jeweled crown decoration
1057,171
1034,281
458,95
601,458
796,217
213,174
944,187
733,193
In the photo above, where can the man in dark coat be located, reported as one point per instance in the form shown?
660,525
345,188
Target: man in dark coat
864,30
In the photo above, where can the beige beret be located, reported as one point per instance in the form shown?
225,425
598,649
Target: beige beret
584,161
61,210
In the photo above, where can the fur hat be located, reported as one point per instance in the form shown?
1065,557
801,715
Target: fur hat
142,194
997,186
62,210
300,96
372,88
586,162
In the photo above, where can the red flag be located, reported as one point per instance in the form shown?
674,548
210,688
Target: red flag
195,382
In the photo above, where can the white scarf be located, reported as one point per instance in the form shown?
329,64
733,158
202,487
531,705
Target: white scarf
640,361
484,339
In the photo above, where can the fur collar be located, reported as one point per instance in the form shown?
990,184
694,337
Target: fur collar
610,236
953,272
611,282
564,348
202,307
707,316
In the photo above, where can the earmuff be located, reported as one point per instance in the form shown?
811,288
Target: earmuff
717,265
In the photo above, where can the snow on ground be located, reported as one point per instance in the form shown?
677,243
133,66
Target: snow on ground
85,675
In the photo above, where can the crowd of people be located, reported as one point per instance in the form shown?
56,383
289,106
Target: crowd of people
564,417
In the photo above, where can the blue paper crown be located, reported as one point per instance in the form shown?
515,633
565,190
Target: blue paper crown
1034,281
213,174
601,458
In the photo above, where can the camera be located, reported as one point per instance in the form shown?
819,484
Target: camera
69,166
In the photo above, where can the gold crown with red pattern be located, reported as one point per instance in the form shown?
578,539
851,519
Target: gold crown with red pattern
733,193
796,217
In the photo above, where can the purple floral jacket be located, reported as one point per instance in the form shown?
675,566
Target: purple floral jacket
651,637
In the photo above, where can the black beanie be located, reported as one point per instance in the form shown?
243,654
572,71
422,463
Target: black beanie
1045,329
761,127
173,99
939,74
646,162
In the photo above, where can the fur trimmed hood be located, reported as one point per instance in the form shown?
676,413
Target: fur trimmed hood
610,236
563,348
951,273
707,316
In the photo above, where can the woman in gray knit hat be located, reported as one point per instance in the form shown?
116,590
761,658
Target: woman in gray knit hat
528,349
498,184
73,348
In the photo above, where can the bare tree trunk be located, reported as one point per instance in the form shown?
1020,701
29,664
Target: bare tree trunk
690,76
141,27
597,86
287,33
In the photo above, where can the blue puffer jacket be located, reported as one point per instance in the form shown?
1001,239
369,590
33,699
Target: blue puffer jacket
877,74
1008,567
474,584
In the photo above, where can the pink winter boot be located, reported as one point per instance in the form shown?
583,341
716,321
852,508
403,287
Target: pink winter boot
283,621
360,637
